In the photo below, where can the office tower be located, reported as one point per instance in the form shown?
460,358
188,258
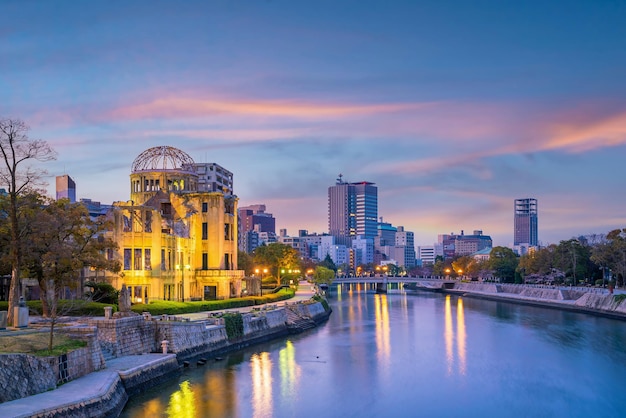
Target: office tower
525,222
352,210
66,188
254,220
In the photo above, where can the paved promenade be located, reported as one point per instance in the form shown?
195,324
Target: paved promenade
95,385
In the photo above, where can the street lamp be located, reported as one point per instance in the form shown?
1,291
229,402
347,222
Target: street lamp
182,269
264,271
447,273
460,271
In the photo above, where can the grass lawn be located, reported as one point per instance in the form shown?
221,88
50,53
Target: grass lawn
36,343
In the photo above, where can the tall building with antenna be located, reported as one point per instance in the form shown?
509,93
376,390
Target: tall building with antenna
525,228
66,188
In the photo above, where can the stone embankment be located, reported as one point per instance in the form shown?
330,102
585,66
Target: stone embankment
587,300
117,358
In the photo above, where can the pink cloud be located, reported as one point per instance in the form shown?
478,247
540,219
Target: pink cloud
183,107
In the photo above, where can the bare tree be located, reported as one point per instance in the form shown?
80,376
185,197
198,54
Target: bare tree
18,151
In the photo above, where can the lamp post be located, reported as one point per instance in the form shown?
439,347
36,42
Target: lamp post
263,271
460,272
182,269
447,274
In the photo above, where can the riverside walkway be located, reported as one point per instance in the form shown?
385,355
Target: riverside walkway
95,388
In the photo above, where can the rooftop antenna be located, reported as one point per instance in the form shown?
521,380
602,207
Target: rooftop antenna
339,181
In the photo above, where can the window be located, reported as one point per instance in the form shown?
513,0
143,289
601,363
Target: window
146,261
148,222
227,236
205,230
127,258
162,259
205,207
205,261
226,261
137,264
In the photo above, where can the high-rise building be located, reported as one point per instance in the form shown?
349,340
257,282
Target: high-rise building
66,188
352,210
254,218
525,222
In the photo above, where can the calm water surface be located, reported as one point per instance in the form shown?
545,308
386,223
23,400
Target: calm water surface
426,355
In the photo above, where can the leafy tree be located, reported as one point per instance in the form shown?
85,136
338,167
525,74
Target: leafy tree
612,253
245,262
503,262
64,240
18,151
277,257
328,263
323,275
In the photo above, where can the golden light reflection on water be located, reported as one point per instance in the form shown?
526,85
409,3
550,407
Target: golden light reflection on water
383,343
461,337
182,402
449,336
289,370
261,374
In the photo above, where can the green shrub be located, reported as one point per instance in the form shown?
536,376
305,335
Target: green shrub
619,298
168,307
233,322
67,307
323,301
102,292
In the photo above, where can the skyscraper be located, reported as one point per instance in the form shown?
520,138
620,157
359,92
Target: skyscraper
352,210
525,222
66,188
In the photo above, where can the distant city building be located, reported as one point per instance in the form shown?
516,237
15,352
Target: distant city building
525,222
428,253
339,253
253,218
405,242
469,244
66,188
363,250
352,210
457,245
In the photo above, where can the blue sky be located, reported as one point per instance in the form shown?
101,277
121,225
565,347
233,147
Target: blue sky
453,108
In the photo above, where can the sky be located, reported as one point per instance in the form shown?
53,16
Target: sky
452,108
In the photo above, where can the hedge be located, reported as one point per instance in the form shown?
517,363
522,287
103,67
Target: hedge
168,307
66,307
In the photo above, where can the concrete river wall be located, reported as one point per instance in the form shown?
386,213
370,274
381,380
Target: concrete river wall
121,346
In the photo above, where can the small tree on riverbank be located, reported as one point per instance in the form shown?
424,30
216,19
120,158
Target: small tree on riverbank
18,151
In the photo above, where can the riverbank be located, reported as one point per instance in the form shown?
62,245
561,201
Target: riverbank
599,302
128,369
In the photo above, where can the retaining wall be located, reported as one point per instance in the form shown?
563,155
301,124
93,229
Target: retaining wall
126,336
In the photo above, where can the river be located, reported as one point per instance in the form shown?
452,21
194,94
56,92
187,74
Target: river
409,355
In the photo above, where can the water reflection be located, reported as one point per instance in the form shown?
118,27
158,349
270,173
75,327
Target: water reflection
449,336
460,335
383,344
182,402
261,374
289,370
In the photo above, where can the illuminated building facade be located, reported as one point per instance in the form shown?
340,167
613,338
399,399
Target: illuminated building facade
177,239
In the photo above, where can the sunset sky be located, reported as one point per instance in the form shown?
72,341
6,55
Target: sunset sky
453,108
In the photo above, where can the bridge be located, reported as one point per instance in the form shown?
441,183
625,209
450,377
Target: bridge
382,282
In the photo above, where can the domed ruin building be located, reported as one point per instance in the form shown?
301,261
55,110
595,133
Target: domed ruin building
177,234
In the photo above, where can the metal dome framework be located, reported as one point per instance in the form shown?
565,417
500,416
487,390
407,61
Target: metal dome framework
162,158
